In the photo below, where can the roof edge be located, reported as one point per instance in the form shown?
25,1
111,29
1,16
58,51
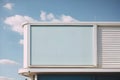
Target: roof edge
72,23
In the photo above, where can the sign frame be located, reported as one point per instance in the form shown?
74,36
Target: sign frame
27,45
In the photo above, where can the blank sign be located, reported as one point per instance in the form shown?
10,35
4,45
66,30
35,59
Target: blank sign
61,45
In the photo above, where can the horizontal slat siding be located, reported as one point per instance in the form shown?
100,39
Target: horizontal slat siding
109,47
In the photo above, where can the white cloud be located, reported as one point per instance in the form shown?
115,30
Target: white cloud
8,62
50,17
43,15
65,18
16,22
6,78
8,6
21,41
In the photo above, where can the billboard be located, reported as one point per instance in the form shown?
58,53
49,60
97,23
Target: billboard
61,46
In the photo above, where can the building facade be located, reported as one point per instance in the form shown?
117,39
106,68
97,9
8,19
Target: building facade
72,51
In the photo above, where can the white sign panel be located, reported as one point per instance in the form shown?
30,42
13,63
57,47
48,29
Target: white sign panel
61,46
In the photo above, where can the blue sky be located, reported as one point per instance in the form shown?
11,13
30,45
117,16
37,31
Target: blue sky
13,13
